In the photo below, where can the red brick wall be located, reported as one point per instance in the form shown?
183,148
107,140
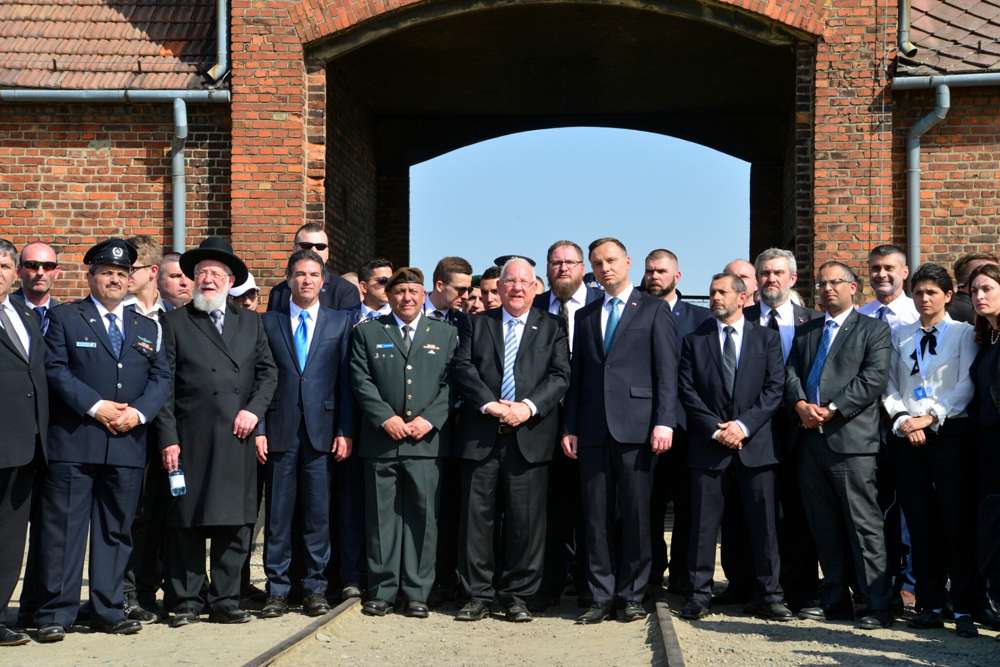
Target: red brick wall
76,174
960,183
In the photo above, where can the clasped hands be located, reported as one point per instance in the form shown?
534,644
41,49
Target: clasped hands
417,428
510,413
117,417
812,415
913,429
730,434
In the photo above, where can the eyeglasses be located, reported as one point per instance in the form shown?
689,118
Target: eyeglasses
567,263
511,282
383,281
305,245
34,266
139,267
460,290
211,273
823,284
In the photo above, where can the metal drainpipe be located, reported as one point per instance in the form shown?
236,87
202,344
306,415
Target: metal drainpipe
221,68
938,114
179,190
906,47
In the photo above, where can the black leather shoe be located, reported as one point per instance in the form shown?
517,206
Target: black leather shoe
136,613
473,610
772,611
987,618
126,626
274,608
966,627
540,602
820,614
926,620
632,611
350,591
596,614
229,616
692,611
48,634
9,637
375,607
182,618
315,604
253,594
874,621
416,610
730,596
518,613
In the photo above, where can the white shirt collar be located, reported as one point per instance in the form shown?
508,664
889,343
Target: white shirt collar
118,312
672,302
413,325
294,310
737,325
579,297
365,310
507,317
786,312
623,297
839,319
6,303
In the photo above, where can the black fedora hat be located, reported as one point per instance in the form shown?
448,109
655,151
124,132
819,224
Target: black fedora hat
218,249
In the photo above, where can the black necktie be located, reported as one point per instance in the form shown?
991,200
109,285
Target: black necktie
406,338
928,345
772,320
564,310
729,359
43,316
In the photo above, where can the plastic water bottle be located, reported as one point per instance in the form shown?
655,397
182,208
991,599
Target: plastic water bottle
177,485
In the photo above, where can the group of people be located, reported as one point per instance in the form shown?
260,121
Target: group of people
487,441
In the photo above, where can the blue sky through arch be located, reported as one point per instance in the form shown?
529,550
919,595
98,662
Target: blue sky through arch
518,193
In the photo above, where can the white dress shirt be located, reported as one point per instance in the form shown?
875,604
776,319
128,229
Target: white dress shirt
606,309
839,319
785,316
366,312
738,342
18,325
898,312
522,321
413,325
119,313
573,304
946,379
294,312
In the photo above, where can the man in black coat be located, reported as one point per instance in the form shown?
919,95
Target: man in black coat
310,417
24,413
108,382
621,410
512,369
731,382
564,525
836,374
38,269
337,293
224,379
671,480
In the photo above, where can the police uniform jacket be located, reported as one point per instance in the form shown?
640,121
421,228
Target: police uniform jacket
389,381
82,369
215,376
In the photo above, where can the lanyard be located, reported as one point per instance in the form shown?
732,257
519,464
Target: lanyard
941,327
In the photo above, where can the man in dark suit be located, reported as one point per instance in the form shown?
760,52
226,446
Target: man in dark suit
731,383
837,371
310,417
671,480
621,410
399,370
777,274
224,379
24,413
108,382
337,293
512,370
38,270
564,523
174,286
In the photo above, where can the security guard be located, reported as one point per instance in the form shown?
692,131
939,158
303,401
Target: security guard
399,368
107,382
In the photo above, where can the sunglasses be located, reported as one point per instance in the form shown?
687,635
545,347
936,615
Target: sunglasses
305,245
383,281
34,266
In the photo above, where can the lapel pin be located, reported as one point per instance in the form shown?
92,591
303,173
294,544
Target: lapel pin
92,320
534,327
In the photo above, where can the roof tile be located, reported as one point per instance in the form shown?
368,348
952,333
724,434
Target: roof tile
953,36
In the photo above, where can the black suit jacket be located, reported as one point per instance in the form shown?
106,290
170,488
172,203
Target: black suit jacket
632,388
24,407
541,374
337,293
322,393
854,377
82,369
760,383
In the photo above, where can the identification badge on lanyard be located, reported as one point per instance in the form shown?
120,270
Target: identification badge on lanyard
923,391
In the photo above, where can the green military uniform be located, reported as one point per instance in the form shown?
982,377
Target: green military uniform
401,476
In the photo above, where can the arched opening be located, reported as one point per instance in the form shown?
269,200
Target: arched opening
397,97
518,193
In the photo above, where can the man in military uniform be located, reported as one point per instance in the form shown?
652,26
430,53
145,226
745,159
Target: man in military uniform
399,368
108,380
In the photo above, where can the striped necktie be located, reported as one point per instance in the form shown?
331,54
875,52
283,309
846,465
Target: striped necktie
507,386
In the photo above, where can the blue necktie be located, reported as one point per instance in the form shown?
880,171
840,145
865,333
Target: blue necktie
43,316
612,324
302,340
812,381
507,388
881,313
115,335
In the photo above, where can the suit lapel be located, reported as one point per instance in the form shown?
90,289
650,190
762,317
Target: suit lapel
843,334
528,336
231,325
130,320
714,352
27,321
202,322
420,333
88,311
496,333
595,325
629,309
321,322
393,333
285,329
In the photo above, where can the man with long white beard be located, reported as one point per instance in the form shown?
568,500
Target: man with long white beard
224,378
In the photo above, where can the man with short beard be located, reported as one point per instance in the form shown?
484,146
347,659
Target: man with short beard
224,379
564,524
38,270
174,286
671,481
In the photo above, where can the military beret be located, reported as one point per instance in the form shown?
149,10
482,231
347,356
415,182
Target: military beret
406,274
112,252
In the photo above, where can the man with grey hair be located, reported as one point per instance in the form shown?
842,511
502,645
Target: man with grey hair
224,379
509,423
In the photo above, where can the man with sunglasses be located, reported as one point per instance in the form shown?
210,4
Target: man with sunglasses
38,270
337,293
373,276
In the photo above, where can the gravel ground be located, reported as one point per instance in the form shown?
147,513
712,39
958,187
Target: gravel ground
551,639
